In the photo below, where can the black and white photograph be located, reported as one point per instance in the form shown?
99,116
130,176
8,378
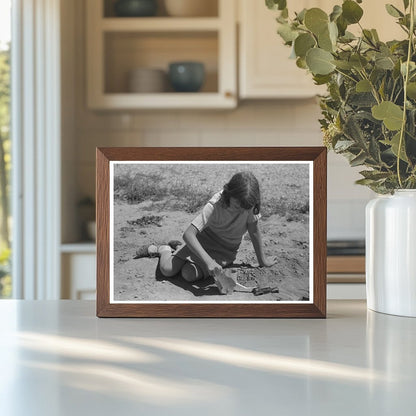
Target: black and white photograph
183,232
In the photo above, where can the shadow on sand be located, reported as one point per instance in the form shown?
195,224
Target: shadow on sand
203,287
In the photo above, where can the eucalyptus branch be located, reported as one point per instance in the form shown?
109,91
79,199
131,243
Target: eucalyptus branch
346,75
373,88
398,95
406,79
392,91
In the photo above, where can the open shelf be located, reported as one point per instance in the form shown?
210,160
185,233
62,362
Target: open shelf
127,51
160,24
209,9
116,46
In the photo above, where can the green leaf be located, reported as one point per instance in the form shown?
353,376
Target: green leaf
363,86
321,79
281,19
411,90
406,4
336,12
344,65
374,150
396,70
374,174
375,35
325,42
405,21
276,4
301,63
362,99
365,182
343,145
393,11
358,160
342,25
282,4
316,20
347,37
319,61
287,33
333,32
301,15
384,62
412,67
368,36
303,43
351,11
394,143
391,114
358,61
382,89
353,131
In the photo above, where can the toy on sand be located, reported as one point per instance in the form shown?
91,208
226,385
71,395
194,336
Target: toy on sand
226,281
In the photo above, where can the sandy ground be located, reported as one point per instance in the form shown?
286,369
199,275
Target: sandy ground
140,279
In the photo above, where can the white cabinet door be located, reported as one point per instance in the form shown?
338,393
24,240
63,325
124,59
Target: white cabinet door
265,68
78,276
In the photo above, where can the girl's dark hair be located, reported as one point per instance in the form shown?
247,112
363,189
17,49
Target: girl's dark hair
244,187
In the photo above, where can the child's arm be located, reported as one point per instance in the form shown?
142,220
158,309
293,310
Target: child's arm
192,242
256,239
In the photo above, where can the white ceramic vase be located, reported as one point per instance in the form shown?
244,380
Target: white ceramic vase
391,253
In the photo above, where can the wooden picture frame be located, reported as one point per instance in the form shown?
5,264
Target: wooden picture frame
308,161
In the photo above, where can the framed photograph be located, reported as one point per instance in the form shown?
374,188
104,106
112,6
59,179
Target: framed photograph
211,232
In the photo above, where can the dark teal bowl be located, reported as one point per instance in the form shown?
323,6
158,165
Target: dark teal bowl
186,76
135,8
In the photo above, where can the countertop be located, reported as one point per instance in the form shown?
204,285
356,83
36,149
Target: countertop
57,358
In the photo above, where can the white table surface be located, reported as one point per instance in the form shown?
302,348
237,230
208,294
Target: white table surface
57,358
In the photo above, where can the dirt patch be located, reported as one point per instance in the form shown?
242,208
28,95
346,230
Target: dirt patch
139,279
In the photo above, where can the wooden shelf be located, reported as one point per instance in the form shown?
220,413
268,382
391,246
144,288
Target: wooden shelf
87,247
346,264
197,100
346,269
160,24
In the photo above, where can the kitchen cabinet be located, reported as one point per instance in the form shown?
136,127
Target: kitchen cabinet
78,263
265,70
118,45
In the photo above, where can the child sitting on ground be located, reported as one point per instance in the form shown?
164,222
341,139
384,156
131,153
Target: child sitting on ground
213,238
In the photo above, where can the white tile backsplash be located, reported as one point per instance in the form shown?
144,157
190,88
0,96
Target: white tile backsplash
346,219
257,123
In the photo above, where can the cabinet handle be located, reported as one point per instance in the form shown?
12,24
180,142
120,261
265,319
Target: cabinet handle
229,94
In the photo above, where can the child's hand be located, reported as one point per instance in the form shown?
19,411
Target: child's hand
268,261
225,282
214,268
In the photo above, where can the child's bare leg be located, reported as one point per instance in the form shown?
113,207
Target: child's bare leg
191,272
170,265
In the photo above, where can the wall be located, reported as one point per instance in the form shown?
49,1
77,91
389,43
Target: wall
253,123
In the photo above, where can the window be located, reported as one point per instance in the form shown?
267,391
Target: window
5,147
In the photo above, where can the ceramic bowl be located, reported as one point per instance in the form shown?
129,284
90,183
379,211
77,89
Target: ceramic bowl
135,8
186,76
147,80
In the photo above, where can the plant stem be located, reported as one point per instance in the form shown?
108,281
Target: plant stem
346,75
373,88
405,81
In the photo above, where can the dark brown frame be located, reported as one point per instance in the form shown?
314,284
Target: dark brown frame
233,310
